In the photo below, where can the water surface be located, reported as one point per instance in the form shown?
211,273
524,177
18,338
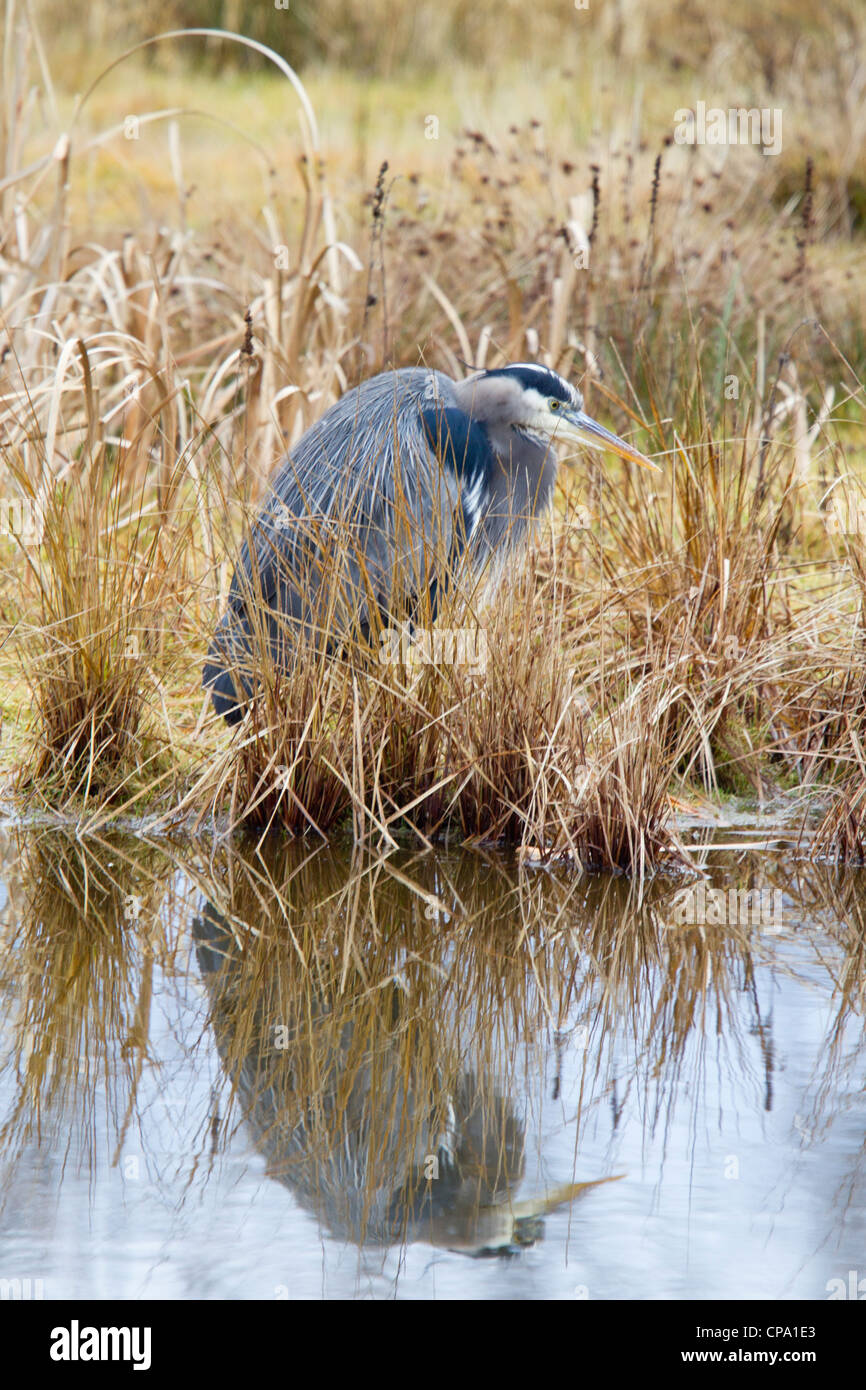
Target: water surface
296,1071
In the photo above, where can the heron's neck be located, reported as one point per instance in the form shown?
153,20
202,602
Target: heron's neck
527,467
519,489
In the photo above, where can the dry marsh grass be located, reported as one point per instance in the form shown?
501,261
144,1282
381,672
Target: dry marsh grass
705,627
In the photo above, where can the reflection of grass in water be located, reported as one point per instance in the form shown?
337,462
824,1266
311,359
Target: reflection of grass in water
645,1000
77,969
836,900
411,995
376,1014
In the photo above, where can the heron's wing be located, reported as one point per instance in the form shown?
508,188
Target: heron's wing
373,496
463,449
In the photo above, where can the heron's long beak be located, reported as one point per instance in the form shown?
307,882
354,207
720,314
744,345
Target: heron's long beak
576,427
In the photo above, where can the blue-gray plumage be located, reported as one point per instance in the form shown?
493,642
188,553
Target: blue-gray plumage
407,478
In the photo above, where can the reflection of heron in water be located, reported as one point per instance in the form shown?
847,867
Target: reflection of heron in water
355,1128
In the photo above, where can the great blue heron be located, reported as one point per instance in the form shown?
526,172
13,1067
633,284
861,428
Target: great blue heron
405,479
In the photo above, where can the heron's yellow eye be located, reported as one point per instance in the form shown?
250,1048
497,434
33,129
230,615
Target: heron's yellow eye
554,403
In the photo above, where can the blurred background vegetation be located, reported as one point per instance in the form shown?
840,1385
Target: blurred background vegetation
383,37
609,72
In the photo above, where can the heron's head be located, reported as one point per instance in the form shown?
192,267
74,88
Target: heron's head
537,402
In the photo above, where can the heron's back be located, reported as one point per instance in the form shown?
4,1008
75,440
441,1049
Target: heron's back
396,489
